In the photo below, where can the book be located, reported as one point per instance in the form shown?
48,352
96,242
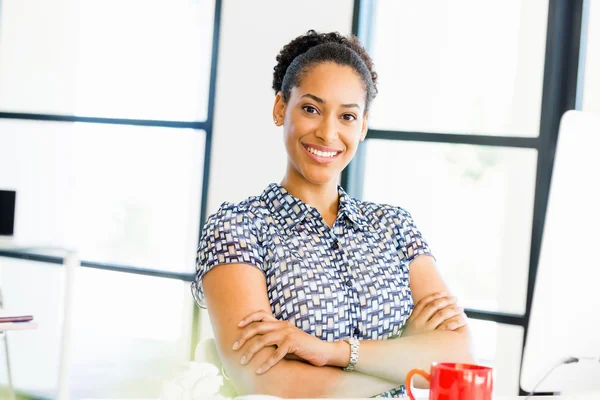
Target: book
15,318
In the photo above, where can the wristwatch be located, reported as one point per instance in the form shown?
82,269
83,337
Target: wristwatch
354,346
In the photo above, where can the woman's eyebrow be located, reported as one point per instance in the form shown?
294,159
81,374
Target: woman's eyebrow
315,98
320,100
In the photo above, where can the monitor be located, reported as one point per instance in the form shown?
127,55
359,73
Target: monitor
565,313
7,212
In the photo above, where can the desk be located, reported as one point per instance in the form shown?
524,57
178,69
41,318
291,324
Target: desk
70,260
17,326
4,328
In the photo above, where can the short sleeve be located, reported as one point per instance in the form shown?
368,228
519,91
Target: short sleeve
412,243
230,236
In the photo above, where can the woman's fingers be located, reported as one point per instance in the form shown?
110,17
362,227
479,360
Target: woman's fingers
435,305
421,304
254,346
443,315
277,356
260,315
435,311
454,323
257,328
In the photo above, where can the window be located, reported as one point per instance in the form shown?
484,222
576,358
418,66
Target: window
115,59
153,62
119,194
474,205
137,194
459,67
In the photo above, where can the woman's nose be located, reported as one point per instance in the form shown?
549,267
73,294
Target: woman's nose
328,131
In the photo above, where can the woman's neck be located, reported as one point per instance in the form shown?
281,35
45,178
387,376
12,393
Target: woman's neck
323,197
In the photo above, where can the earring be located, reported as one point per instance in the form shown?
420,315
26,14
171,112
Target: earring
276,121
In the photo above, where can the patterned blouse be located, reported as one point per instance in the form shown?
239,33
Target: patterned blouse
348,280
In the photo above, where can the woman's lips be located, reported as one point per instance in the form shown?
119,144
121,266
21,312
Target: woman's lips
321,154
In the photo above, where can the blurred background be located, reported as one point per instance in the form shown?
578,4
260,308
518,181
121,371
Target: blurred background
123,124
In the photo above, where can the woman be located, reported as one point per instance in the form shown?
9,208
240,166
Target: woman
304,284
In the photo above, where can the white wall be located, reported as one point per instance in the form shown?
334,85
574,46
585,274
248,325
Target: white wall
248,152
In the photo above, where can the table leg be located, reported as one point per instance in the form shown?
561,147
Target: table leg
11,390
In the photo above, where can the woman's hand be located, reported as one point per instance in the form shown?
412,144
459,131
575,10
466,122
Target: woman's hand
260,329
437,311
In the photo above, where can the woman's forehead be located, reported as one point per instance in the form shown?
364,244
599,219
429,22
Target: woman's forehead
333,83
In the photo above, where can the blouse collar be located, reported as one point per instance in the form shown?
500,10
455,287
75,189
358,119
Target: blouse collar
291,210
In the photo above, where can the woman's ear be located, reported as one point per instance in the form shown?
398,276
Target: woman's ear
365,127
279,109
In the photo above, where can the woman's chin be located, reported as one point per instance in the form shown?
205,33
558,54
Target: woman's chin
321,178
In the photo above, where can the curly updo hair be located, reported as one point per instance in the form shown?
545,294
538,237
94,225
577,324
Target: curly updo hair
307,51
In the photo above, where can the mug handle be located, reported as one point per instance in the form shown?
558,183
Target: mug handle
412,372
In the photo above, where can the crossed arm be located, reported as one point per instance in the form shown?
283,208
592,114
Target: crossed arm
235,291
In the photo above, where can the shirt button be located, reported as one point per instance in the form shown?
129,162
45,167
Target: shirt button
356,331
336,245
349,283
299,228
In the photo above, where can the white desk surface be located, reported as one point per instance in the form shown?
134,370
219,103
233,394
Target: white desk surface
17,326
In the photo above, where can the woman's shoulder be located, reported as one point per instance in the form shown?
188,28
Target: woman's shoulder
382,211
250,211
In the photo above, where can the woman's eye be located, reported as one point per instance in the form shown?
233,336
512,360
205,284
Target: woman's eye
349,117
310,109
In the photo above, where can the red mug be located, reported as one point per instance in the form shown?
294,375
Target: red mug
451,381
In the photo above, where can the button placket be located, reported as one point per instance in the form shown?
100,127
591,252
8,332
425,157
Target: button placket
350,282
353,303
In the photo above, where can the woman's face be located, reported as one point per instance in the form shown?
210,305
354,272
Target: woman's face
323,122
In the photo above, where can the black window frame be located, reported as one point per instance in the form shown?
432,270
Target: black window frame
562,91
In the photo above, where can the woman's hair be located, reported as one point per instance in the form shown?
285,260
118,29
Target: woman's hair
307,51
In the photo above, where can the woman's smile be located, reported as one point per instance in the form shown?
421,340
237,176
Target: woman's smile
321,154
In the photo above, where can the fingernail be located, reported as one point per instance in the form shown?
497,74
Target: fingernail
241,323
259,370
235,346
443,294
243,360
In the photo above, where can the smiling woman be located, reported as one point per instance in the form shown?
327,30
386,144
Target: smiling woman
321,129
305,285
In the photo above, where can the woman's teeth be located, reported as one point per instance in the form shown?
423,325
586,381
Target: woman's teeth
322,153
